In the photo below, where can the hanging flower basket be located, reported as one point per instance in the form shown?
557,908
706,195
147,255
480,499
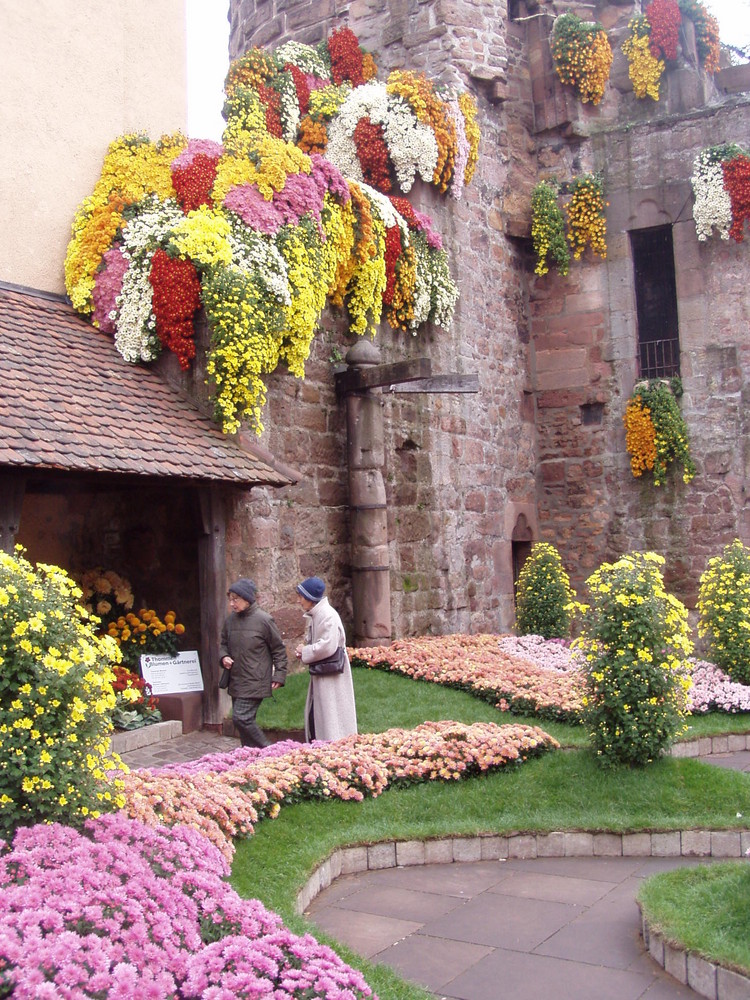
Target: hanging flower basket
582,56
721,185
655,431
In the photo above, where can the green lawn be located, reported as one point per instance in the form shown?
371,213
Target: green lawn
561,790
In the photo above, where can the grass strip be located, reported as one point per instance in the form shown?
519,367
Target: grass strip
705,909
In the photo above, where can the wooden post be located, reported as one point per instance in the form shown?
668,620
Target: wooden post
212,582
371,581
12,490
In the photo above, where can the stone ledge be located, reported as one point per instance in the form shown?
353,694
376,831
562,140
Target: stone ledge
136,739
706,978
704,746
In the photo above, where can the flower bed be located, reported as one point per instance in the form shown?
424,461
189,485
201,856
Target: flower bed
123,910
225,795
501,670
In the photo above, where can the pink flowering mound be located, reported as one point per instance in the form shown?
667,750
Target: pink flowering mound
525,675
714,691
123,911
225,795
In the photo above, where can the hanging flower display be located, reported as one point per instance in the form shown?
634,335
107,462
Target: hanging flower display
664,19
655,430
587,222
644,68
548,229
288,212
721,187
582,56
706,33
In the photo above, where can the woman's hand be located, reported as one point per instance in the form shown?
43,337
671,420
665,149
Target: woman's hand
298,651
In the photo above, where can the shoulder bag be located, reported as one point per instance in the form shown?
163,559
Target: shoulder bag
330,665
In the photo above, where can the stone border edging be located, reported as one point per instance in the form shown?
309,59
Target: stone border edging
134,739
706,978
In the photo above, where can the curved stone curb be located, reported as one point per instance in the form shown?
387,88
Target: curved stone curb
707,978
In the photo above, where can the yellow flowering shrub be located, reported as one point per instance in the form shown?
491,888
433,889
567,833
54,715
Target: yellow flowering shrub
636,639
548,229
724,608
56,697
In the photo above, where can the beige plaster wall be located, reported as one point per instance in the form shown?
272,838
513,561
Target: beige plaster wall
75,74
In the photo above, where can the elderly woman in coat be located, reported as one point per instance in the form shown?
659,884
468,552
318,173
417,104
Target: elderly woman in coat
330,712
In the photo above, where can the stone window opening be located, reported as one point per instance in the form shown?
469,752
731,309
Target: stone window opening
520,544
656,302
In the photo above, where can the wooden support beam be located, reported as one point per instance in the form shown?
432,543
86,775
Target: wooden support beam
372,376
439,383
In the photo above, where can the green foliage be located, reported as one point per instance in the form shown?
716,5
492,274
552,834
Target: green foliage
706,909
55,700
548,229
545,602
636,639
724,607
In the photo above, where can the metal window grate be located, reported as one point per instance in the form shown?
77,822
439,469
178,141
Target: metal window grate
656,302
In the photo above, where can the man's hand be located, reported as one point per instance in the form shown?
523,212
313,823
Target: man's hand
276,685
227,662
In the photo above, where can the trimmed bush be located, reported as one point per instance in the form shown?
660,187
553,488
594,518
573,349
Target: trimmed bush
55,701
724,607
636,639
545,602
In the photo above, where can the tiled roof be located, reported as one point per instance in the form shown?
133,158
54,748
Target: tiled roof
69,401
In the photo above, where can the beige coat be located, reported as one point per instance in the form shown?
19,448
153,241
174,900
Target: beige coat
330,711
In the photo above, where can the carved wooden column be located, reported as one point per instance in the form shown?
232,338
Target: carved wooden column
371,581
12,490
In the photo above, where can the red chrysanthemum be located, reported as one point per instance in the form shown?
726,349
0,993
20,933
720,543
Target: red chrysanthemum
373,155
737,182
664,17
301,86
193,183
392,254
176,299
346,57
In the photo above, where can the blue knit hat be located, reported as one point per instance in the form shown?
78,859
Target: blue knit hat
312,588
244,588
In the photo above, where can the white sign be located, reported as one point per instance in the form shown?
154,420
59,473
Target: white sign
173,674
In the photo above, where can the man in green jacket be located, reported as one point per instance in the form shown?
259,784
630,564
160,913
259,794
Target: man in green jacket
253,651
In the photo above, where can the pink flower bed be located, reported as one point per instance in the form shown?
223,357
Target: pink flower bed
715,691
123,910
224,796
522,675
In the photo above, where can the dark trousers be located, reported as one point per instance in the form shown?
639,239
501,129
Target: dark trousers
244,711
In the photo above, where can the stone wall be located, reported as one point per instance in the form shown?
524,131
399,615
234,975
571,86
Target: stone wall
542,443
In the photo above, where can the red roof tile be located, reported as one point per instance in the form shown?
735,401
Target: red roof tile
69,401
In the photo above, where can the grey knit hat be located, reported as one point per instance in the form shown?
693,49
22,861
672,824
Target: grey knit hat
244,588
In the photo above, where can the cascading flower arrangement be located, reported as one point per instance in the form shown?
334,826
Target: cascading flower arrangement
655,431
586,221
653,40
644,67
548,229
582,55
706,33
290,211
721,186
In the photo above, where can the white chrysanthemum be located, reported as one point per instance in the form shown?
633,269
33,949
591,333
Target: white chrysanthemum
411,144
444,290
257,256
422,293
368,101
152,227
290,114
713,206
304,57
341,150
135,334
386,210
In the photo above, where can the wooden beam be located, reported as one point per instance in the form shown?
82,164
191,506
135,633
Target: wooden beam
439,383
358,379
